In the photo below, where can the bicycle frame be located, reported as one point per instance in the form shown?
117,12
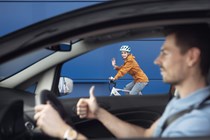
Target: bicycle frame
115,91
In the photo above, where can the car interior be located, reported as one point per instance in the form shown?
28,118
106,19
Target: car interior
17,104
144,111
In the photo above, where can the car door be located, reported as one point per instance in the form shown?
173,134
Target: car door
139,110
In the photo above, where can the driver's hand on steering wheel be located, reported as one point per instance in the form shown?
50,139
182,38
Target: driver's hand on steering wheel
88,107
49,120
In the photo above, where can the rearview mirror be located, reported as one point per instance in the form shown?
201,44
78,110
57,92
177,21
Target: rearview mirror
65,85
61,47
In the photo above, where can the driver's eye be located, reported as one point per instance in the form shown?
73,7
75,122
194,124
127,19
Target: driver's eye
163,53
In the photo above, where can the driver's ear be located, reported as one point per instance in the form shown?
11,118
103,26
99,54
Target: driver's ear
193,56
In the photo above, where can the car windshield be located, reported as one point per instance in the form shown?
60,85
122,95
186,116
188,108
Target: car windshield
7,68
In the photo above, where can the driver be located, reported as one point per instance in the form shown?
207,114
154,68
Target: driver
184,62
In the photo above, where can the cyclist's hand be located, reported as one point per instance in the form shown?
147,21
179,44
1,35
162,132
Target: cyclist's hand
111,78
113,62
88,107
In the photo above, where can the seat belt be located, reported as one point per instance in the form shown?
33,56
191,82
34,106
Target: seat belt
172,118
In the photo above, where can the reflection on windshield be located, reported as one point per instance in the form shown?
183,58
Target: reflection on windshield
7,69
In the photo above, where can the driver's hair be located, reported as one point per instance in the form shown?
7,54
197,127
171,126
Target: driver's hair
193,35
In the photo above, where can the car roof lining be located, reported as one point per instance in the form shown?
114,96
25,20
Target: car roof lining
136,31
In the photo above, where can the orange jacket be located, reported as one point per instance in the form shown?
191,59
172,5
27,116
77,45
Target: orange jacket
132,67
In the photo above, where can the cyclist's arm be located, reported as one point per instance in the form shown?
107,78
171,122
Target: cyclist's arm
123,69
122,129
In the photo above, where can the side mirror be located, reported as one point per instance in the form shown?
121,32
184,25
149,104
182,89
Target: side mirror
65,85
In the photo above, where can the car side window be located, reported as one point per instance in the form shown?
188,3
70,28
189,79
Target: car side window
31,88
94,68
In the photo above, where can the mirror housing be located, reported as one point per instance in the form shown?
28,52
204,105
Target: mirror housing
65,86
64,47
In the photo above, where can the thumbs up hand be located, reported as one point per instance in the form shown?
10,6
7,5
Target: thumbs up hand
88,107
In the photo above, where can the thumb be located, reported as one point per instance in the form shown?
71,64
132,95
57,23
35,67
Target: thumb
91,92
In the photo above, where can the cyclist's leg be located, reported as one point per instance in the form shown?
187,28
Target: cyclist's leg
129,86
137,88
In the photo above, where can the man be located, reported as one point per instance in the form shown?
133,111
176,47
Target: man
184,62
132,67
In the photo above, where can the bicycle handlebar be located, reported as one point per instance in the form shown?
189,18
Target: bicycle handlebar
112,82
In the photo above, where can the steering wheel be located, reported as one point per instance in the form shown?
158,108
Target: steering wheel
47,95
42,98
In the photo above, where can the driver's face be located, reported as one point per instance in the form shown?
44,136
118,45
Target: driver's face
173,64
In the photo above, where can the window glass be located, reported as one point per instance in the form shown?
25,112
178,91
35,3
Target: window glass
7,69
31,88
94,68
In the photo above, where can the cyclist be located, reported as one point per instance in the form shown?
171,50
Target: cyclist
132,67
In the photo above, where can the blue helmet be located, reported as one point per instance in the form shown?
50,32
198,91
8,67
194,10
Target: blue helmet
125,48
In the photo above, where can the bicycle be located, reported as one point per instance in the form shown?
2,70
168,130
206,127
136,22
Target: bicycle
115,91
